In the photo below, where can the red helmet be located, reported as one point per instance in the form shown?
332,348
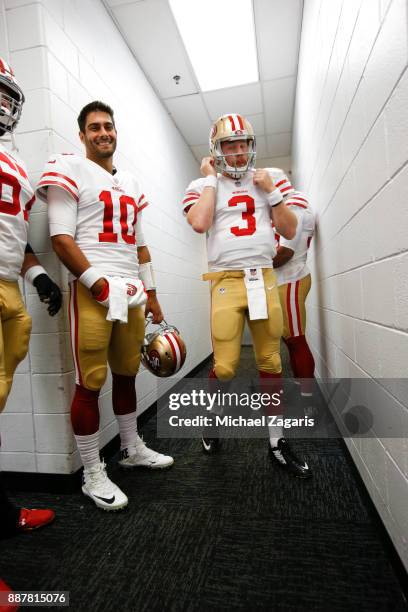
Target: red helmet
11,98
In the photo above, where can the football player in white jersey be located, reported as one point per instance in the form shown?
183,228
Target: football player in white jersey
16,258
236,207
95,225
294,282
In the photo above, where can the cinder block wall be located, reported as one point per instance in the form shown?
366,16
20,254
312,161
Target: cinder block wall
66,54
350,155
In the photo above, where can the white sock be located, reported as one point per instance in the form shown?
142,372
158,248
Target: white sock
275,432
127,429
88,447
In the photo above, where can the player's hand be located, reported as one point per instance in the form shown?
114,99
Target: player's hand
207,167
98,287
49,293
263,180
153,307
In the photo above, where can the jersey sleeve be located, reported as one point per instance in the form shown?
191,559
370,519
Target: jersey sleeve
142,202
306,222
140,239
281,181
192,194
62,211
60,173
296,198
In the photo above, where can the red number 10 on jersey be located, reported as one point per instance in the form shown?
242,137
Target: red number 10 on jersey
124,201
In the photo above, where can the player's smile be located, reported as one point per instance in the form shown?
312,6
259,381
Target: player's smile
104,143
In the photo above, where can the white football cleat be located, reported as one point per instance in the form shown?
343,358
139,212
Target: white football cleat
97,486
142,456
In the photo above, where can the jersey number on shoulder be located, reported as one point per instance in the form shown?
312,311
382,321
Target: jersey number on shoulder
108,235
247,215
12,208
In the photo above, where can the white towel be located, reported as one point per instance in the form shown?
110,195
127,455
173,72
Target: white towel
118,300
255,287
136,293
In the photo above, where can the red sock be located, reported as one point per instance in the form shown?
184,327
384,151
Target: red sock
302,362
85,411
123,394
272,384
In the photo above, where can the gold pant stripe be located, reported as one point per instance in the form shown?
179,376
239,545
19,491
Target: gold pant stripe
293,297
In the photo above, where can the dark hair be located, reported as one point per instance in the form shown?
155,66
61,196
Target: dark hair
96,105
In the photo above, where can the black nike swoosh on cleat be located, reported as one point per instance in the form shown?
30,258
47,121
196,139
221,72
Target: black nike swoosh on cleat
104,499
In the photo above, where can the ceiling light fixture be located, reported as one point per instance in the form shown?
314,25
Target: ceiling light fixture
219,36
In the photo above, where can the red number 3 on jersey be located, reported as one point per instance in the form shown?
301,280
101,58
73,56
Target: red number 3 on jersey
247,215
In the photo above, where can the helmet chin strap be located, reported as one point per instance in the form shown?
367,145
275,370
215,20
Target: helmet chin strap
235,171
238,172
11,139
14,142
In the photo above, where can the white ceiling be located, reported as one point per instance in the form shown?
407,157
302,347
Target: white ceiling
150,30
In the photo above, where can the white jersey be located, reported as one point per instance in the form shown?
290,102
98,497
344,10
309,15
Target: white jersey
102,214
16,200
241,235
296,268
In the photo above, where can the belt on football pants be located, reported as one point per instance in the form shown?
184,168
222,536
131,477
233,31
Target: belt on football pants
255,288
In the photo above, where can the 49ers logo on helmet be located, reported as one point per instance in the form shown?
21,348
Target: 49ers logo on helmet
213,131
153,358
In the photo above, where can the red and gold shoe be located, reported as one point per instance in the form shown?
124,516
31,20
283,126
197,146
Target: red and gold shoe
33,519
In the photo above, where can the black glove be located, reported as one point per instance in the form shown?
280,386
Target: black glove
49,293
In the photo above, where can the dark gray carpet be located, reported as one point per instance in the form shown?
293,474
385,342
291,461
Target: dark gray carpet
226,532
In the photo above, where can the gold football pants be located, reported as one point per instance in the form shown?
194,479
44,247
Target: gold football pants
96,341
293,297
15,331
229,310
